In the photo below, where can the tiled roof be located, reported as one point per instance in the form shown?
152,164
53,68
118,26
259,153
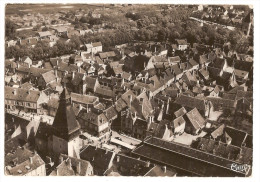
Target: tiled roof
93,117
219,63
244,94
37,72
220,102
96,44
175,59
104,55
13,144
190,102
189,79
218,132
63,169
111,113
203,59
204,72
176,69
99,158
84,99
158,171
195,118
105,91
128,166
240,73
127,95
229,96
178,121
171,92
120,104
43,34
186,158
23,69
48,76
27,86
20,94
98,60
181,41
22,159
70,167
193,62
90,82
78,77
246,155
180,112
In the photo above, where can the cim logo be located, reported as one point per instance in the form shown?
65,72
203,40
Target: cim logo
240,167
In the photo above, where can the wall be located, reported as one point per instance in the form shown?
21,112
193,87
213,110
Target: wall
59,145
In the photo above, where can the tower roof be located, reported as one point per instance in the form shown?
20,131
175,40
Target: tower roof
65,124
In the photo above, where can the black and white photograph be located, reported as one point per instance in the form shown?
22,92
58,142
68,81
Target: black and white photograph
134,90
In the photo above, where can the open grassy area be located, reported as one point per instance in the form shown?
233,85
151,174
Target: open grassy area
46,8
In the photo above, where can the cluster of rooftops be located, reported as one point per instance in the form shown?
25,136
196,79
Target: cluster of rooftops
156,94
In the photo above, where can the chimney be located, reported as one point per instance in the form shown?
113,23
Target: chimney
155,49
61,159
130,100
141,103
167,108
48,159
164,169
14,92
69,163
73,74
79,167
147,164
57,62
117,158
31,160
56,72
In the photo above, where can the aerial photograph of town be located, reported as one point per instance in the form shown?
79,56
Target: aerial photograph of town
150,90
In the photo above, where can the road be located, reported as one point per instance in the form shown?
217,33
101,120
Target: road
126,139
212,23
30,28
31,116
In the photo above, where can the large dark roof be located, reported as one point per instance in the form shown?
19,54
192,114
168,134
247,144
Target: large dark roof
128,166
185,158
99,158
190,102
65,124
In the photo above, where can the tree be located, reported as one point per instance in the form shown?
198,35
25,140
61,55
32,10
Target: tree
84,19
10,29
37,27
45,29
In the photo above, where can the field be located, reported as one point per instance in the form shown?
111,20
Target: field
47,8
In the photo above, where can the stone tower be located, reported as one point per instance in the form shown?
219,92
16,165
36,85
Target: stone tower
65,128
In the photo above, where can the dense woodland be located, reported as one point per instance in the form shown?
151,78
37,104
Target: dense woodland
125,27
